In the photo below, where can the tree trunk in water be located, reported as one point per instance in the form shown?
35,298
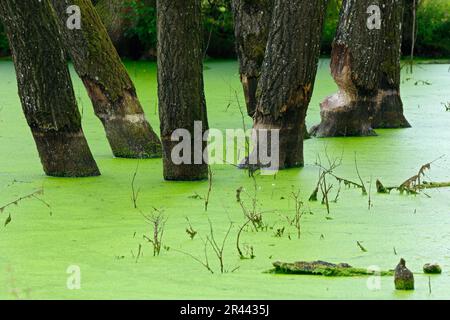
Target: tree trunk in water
110,88
288,75
355,62
252,20
388,112
45,88
180,85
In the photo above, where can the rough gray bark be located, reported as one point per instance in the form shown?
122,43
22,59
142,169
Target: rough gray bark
110,88
388,112
288,74
180,82
45,88
354,65
252,19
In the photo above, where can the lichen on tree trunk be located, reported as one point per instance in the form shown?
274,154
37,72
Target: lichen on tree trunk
388,111
354,67
45,88
110,88
252,19
180,83
288,75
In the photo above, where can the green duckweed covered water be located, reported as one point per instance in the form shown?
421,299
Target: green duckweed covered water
93,223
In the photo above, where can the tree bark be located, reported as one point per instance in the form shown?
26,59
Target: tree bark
288,75
252,19
180,83
388,112
45,88
354,66
110,88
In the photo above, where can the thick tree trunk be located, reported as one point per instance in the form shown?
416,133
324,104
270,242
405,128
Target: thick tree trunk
45,88
180,84
252,21
110,88
288,74
388,112
354,65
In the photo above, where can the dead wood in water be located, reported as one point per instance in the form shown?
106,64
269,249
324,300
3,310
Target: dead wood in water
415,184
323,268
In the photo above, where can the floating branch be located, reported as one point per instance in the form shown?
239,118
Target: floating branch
323,268
415,184
16,202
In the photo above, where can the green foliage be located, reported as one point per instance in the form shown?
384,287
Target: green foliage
141,22
330,25
433,27
219,28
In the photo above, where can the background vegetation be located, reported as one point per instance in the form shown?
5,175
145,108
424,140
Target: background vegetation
138,18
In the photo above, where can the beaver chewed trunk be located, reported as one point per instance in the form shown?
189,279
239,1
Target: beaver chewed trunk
388,112
365,65
354,66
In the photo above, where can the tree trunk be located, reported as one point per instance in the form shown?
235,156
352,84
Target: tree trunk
355,62
388,112
252,20
180,84
288,74
110,88
45,88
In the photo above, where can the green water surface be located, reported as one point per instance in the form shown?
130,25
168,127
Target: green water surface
92,222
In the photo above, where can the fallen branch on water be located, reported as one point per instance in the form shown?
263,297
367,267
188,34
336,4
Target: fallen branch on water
323,268
415,184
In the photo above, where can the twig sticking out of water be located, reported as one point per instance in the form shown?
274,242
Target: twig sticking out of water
134,192
158,222
324,187
17,201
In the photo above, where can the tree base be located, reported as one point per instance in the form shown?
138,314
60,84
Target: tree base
388,113
65,154
291,134
129,133
132,137
342,117
181,172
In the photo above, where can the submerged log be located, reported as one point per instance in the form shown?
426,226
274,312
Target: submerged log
324,268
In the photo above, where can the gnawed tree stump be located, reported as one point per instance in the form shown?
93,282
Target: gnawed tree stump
324,268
